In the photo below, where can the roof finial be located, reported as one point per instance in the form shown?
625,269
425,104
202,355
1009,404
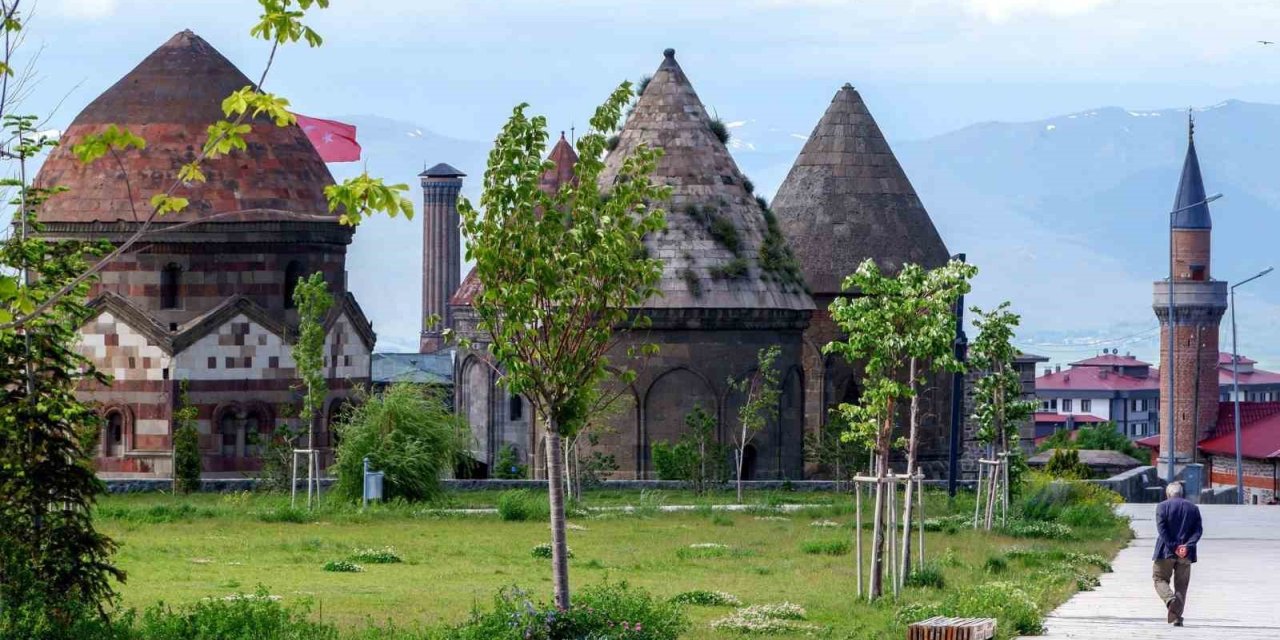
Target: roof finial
562,134
1191,125
669,53
573,134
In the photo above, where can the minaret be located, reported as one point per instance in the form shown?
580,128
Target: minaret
441,250
1197,307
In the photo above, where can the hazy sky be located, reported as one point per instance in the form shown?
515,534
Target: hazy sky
926,66
458,67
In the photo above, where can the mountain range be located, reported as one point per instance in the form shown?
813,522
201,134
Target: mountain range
1066,216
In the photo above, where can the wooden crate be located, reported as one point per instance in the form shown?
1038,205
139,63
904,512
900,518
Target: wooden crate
940,628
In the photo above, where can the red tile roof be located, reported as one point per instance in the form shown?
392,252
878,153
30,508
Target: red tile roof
1224,358
170,99
1255,377
1259,431
1091,378
1111,360
467,291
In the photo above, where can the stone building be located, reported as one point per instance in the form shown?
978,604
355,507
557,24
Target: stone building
847,199
725,295
206,299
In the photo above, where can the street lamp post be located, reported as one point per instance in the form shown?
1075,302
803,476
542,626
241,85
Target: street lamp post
1235,383
1173,417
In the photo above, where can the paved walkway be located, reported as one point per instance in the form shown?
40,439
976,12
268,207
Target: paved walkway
1234,593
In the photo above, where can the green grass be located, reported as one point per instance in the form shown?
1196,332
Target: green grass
182,549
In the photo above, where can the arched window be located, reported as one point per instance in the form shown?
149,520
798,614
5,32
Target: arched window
292,273
113,435
515,408
170,281
244,432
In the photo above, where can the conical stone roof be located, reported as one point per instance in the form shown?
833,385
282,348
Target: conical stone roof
170,99
847,199
711,248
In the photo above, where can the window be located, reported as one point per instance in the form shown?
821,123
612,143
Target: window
1086,405
515,408
1197,272
170,281
1044,405
243,433
1066,405
113,435
292,273
1139,404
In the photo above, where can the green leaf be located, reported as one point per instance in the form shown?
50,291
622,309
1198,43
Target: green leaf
113,138
164,204
358,198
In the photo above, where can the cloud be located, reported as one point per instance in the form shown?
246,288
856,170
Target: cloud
85,9
1003,10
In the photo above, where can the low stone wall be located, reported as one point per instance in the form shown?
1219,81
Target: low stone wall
1139,485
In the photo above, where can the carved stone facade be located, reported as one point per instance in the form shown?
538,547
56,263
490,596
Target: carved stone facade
206,299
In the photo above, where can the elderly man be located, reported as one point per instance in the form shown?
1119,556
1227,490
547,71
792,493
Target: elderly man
1178,526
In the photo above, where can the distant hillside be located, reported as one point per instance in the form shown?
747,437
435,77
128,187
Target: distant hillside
1066,216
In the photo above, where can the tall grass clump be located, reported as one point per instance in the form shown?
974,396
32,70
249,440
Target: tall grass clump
521,505
409,434
241,617
608,610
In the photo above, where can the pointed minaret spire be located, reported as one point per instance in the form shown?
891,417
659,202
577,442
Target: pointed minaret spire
1191,189
564,157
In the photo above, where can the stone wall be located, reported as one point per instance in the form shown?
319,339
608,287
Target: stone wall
1260,477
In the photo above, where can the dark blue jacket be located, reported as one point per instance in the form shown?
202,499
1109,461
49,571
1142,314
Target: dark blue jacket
1177,523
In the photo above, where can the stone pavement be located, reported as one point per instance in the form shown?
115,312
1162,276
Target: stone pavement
1234,593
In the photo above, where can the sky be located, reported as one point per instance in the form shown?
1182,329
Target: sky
928,66
458,67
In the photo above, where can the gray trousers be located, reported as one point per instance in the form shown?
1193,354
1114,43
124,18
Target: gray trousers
1179,571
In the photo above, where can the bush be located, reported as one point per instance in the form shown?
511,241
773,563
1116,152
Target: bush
507,465
950,524
702,598
186,446
1066,464
385,555
614,611
285,514
929,576
409,434
825,547
697,458
342,566
521,505
1006,602
241,617
544,551
995,565
1075,503
719,130
735,268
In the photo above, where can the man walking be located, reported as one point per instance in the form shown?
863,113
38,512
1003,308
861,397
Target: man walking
1178,527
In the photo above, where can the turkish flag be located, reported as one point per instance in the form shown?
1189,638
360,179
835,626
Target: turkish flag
336,141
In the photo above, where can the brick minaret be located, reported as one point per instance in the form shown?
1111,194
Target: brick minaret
1198,305
441,250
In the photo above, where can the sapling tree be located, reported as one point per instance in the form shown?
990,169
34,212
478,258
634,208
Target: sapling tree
836,455
561,274
997,395
186,444
891,324
759,406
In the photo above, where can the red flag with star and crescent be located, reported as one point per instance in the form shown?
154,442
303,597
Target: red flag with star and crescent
336,141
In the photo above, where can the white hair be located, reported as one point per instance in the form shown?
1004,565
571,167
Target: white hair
1174,490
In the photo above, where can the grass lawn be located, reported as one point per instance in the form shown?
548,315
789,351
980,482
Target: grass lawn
181,549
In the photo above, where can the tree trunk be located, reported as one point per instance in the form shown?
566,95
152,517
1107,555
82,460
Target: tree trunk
559,548
741,453
911,472
883,440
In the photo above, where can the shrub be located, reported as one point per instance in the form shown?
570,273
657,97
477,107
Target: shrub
719,130
612,142
599,611
409,434
1015,610
240,617
697,458
1076,503
825,547
724,232
1087,581
748,185
995,565
694,283
721,520
702,598
186,446
735,268
710,550
949,524
342,566
1065,463
544,551
520,505
507,465
642,85
385,555
928,576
